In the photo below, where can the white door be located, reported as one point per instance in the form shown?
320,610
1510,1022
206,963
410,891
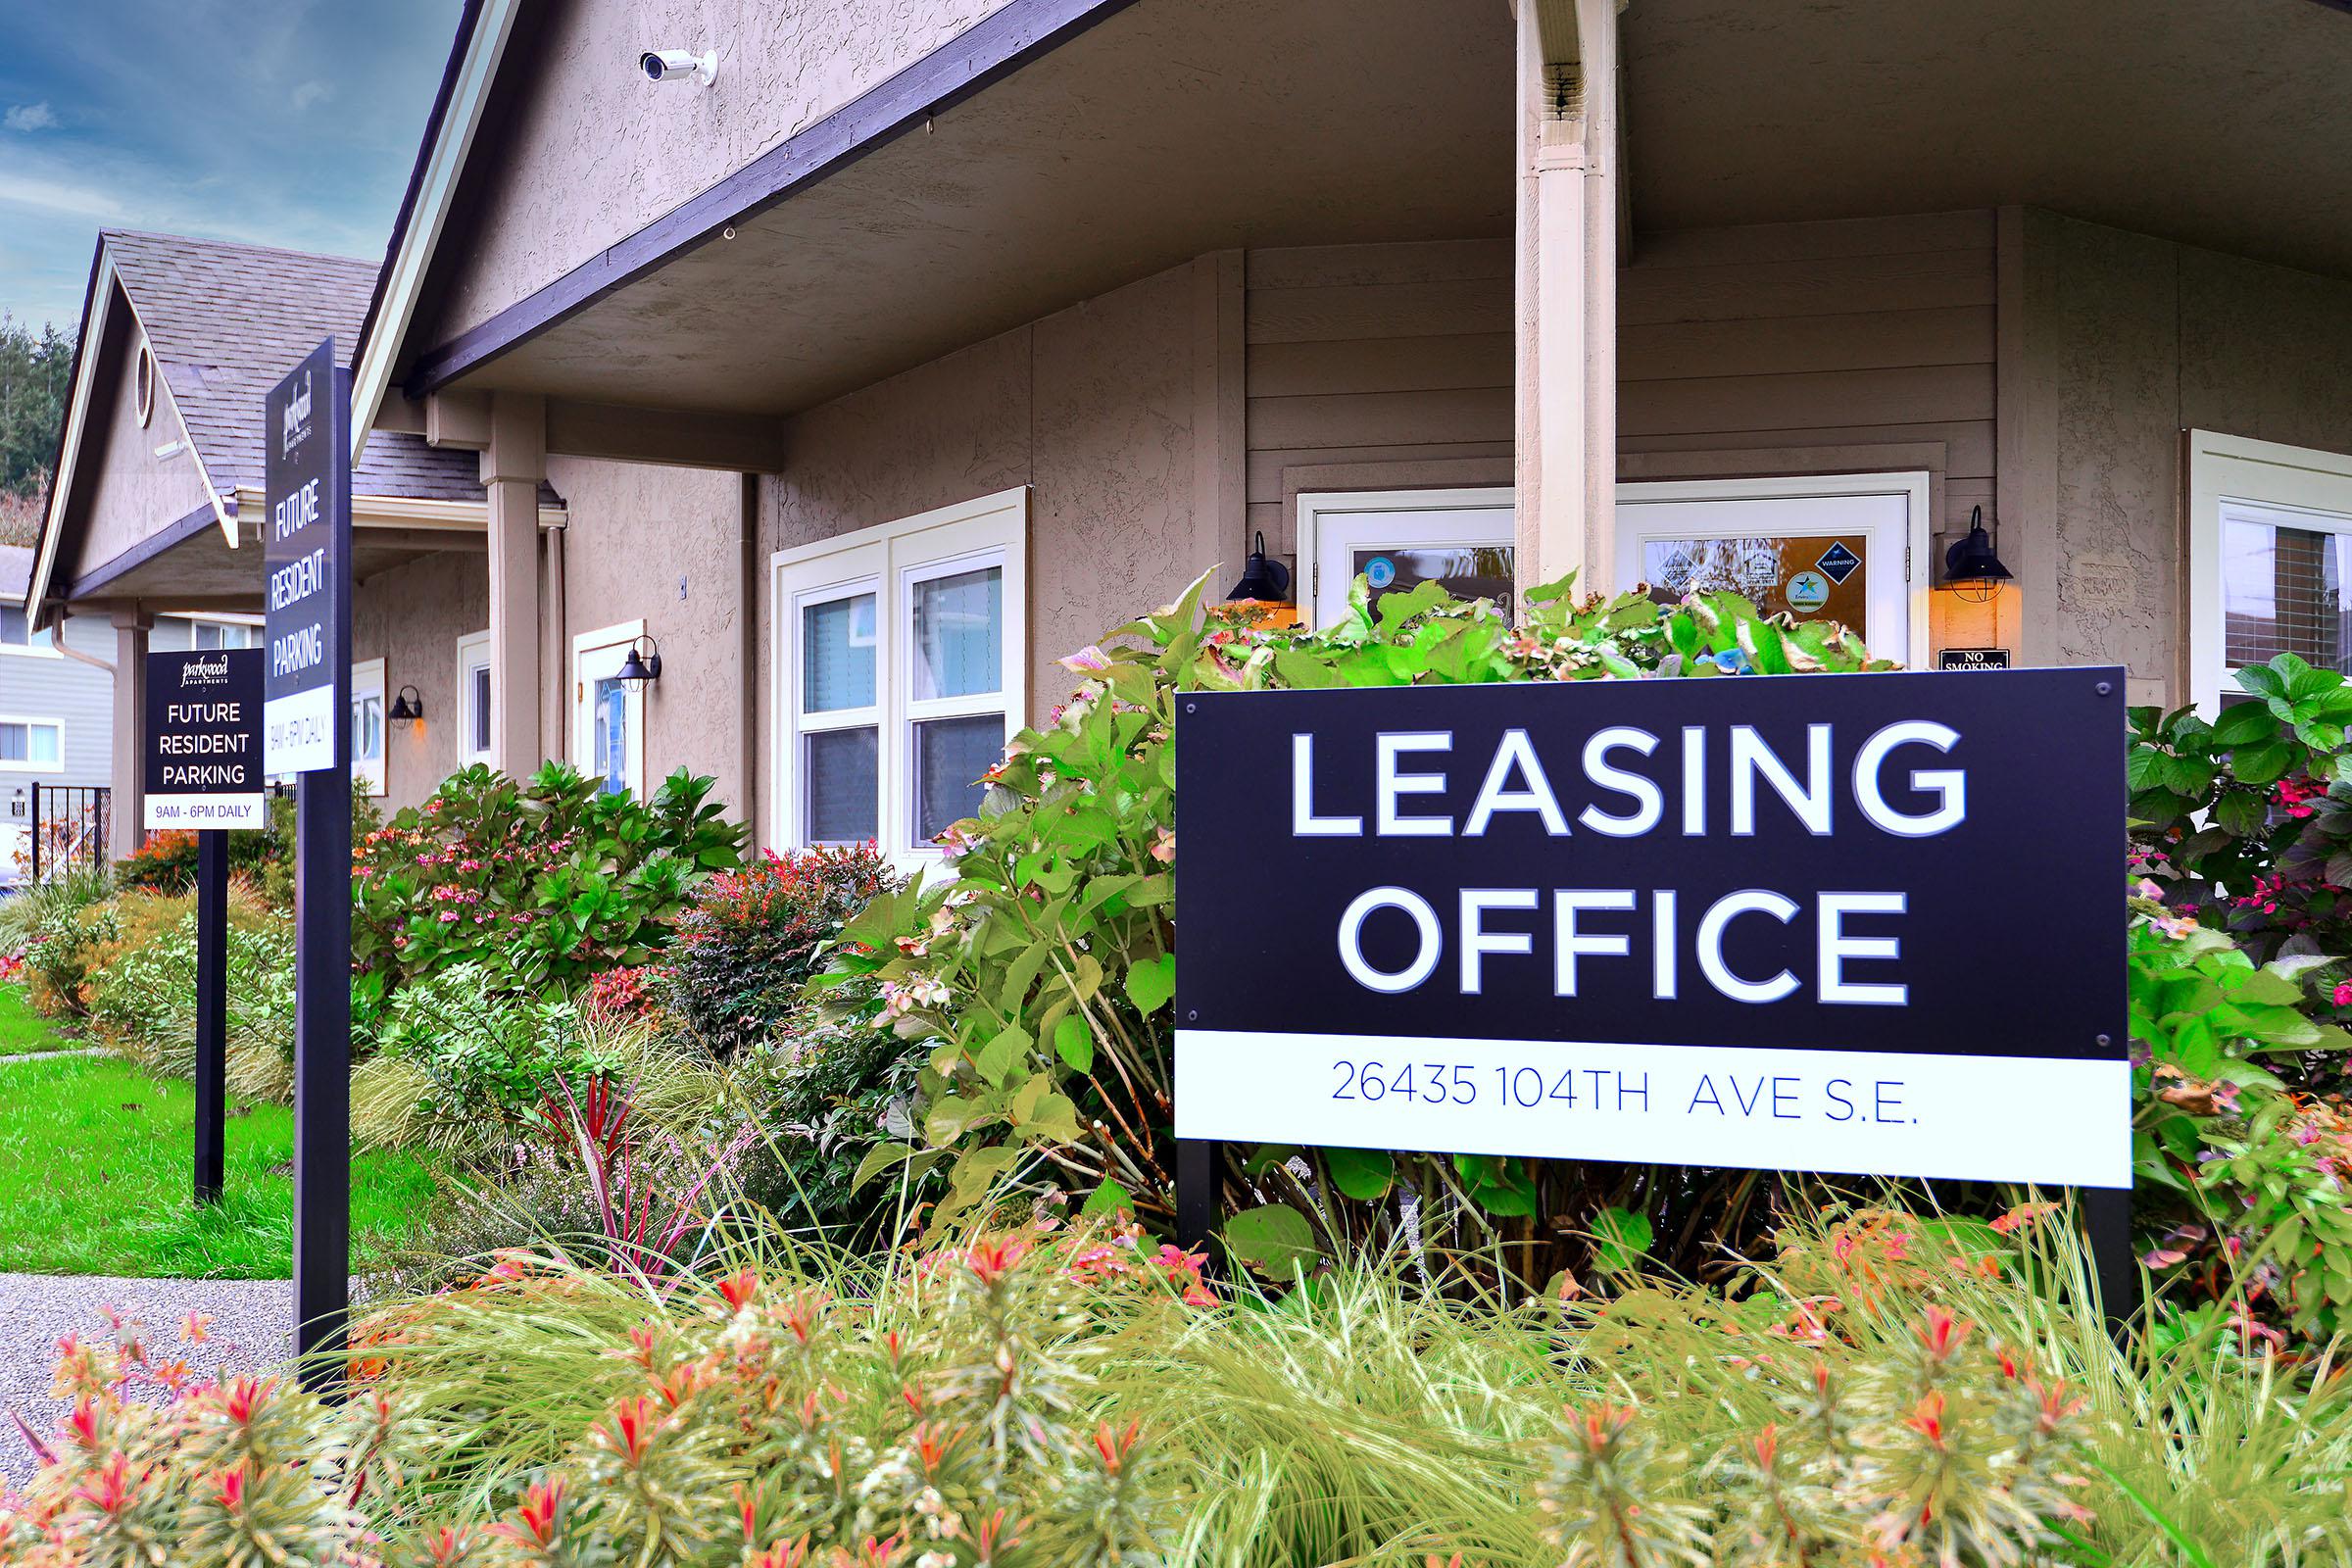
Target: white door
1399,539
609,720
1849,548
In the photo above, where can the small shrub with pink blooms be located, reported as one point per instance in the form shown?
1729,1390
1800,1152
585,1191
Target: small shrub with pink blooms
548,880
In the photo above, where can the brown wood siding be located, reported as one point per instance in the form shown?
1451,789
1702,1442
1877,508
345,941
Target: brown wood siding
1868,333
1375,353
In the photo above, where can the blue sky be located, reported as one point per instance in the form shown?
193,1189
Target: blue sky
282,122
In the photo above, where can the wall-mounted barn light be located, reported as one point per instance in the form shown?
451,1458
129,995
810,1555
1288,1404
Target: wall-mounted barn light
408,707
1971,569
1263,580
642,664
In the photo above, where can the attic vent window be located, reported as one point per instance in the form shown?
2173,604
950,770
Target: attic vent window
143,385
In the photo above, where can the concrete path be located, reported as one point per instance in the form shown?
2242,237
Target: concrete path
250,1331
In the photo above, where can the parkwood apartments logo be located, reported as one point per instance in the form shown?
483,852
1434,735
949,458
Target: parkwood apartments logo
297,422
213,672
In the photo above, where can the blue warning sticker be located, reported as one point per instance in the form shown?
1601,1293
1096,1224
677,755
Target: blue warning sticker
1837,562
1380,571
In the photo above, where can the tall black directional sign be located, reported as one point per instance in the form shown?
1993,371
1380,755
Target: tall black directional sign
306,537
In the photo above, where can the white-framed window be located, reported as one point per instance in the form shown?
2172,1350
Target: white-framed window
608,733
1395,540
32,745
2269,558
1849,547
899,674
368,723
474,699
18,637
203,633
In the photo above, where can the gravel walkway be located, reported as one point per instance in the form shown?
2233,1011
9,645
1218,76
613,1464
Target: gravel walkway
249,1331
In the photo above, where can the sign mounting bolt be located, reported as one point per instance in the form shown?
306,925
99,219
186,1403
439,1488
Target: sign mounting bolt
2105,687
1192,1016
2106,1039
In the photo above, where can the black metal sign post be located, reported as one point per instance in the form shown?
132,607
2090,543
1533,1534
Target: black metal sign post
307,549
203,767
212,1013
1867,926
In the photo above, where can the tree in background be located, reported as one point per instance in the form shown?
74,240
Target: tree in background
35,369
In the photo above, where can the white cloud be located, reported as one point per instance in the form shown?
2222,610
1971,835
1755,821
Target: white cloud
311,93
59,196
30,117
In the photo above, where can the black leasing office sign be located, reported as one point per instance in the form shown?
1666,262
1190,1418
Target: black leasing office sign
203,739
306,548
1866,924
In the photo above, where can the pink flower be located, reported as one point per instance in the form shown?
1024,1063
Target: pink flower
2342,995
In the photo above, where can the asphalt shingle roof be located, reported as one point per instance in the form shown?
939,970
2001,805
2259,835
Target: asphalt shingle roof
228,320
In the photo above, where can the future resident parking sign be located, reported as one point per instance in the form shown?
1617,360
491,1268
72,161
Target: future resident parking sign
203,739
1868,924
306,548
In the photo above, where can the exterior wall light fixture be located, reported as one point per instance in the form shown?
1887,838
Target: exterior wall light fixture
1971,569
1263,581
408,707
643,664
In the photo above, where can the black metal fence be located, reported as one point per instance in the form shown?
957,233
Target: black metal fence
71,827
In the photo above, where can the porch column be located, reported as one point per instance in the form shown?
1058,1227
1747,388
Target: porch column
513,465
127,790
1565,426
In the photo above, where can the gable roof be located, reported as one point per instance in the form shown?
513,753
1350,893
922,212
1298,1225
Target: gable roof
226,322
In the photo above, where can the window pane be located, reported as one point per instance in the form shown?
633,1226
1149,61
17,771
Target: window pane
13,741
478,713
14,628
839,790
1809,576
207,635
837,655
367,728
2282,592
949,755
44,743
612,742
1467,571
960,635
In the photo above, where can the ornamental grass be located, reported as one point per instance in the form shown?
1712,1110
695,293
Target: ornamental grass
1886,1389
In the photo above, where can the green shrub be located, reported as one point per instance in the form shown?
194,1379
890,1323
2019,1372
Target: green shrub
1043,970
749,941
142,995
829,1091
546,881
488,1059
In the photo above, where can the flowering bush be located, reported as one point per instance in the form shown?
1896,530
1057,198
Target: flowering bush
142,988
631,994
1043,970
165,862
749,939
545,882
751,1421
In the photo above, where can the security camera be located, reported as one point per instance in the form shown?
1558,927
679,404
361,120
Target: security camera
676,65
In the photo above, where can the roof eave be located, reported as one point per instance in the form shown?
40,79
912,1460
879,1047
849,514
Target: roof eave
483,28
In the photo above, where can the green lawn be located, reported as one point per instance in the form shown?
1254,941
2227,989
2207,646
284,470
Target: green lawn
24,1031
95,1171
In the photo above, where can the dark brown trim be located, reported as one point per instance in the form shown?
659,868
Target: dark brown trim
138,554
1018,32
468,19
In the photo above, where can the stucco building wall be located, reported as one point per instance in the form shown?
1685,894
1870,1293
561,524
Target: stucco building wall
411,617
663,545
596,152
1092,407
136,492
2125,342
